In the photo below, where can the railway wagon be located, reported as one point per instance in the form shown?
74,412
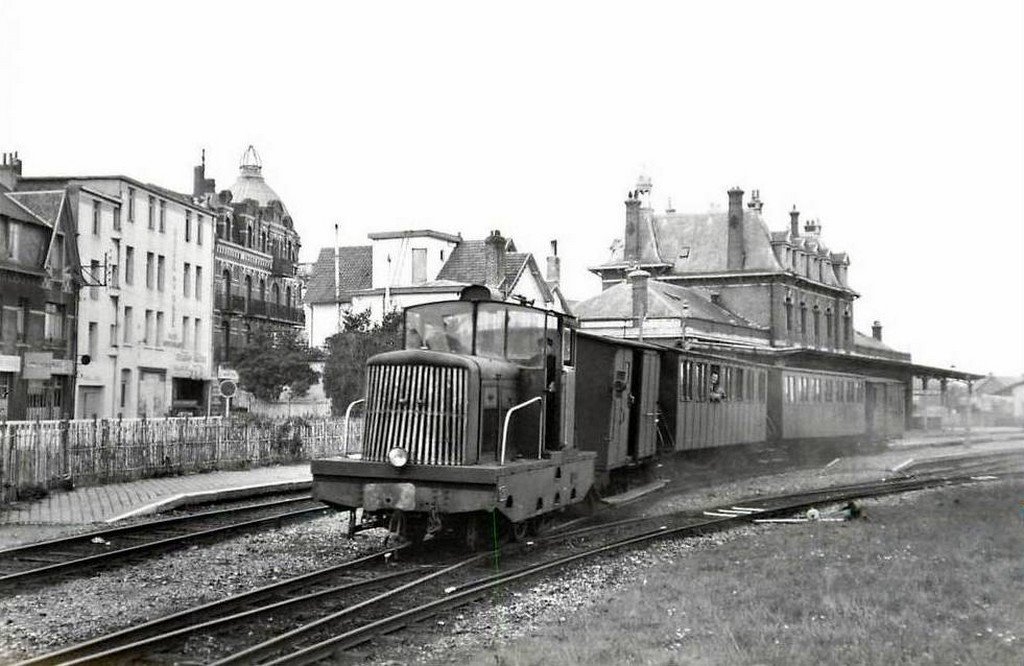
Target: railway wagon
884,408
616,402
475,415
817,404
709,401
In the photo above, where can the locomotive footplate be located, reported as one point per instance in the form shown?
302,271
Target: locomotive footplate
520,489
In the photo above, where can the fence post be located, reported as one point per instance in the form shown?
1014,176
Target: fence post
65,471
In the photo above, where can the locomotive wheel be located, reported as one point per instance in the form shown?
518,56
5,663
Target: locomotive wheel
520,531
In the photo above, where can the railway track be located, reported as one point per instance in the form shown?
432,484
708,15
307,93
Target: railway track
318,614
69,556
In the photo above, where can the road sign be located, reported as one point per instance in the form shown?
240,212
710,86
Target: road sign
224,372
228,388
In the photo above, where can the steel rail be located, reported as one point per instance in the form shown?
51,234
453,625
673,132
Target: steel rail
159,544
471,591
252,654
141,526
138,634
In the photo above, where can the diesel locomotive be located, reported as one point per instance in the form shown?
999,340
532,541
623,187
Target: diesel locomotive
496,415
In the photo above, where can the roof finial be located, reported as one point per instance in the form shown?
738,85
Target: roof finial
251,162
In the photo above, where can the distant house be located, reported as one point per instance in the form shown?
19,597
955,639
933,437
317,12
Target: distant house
402,268
1015,392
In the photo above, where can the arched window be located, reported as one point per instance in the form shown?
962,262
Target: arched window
847,333
288,296
263,290
803,319
226,279
789,314
248,236
829,331
817,326
227,340
275,293
248,292
248,333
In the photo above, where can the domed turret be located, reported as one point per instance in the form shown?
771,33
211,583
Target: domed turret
250,183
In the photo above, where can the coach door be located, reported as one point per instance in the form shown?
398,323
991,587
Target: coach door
647,402
622,400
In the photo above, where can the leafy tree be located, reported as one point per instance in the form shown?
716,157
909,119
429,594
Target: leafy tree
272,360
348,351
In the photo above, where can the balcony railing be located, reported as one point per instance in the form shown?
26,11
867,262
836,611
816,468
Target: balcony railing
282,266
258,308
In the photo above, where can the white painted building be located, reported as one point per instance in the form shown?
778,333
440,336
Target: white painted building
144,318
403,268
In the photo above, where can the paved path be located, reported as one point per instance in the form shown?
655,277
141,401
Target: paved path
97,504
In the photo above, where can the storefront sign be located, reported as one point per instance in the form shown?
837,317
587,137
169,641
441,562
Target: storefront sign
10,363
37,365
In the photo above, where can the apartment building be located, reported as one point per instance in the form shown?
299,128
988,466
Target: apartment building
146,305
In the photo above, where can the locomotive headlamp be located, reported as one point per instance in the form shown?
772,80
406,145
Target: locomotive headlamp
398,457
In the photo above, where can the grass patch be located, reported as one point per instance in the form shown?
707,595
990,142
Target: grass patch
933,577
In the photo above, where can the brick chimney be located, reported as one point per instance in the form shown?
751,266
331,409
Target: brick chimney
494,259
639,279
631,249
794,223
10,171
736,256
876,331
554,273
201,185
812,228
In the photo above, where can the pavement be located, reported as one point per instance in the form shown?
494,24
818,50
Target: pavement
118,501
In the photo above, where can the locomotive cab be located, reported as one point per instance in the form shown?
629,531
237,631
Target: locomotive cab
473,416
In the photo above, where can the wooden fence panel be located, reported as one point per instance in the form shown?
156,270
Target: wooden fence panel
38,455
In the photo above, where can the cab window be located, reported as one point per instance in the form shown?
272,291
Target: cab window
445,327
490,330
526,339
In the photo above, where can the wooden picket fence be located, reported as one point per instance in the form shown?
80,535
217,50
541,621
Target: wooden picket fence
39,455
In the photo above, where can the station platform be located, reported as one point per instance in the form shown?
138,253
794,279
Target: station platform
115,502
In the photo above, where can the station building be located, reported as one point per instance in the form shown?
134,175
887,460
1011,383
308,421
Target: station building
144,308
256,256
722,281
403,268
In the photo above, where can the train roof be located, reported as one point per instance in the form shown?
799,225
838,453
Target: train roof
621,342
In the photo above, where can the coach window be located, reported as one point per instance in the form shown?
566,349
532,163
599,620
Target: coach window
739,391
762,386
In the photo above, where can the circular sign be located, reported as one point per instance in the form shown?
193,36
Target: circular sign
86,359
228,388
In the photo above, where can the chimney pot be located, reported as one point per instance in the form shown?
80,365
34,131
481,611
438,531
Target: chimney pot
735,256
554,272
794,222
639,279
876,331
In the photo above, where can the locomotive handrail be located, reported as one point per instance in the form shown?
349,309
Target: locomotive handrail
508,415
348,412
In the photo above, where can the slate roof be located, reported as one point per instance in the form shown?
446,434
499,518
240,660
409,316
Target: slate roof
355,273
45,205
869,342
9,208
698,243
664,300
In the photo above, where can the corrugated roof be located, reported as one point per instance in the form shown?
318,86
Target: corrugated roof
355,273
664,301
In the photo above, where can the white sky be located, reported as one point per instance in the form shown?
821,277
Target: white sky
899,125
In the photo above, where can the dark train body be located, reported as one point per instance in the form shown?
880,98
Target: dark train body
496,409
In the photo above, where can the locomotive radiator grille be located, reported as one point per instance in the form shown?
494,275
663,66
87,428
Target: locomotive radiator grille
421,408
